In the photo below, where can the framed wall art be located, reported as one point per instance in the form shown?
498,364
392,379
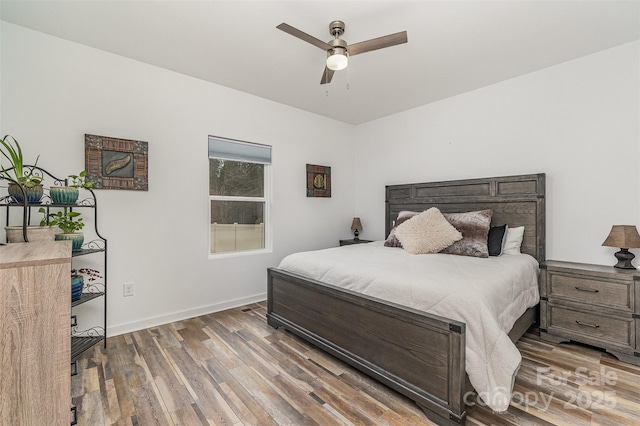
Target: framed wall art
113,163
318,181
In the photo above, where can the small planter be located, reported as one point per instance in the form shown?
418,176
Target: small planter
77,284
34,193
34,233
76,239
64,194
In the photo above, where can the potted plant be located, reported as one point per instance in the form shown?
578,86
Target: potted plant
69,194
69,227
22,174
34,233
77,285
15,234
83,279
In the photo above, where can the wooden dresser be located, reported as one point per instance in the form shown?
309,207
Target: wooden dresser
591,304
35,338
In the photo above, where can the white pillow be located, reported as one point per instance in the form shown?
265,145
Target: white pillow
427,232
513,240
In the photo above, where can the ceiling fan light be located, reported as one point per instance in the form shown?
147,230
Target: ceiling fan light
337,61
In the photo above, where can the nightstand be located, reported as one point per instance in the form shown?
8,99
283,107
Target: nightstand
350,242
591,304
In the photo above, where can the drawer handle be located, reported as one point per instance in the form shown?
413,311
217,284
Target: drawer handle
587,290
74,416
586,324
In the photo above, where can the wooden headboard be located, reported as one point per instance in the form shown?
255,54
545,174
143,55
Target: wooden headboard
515,200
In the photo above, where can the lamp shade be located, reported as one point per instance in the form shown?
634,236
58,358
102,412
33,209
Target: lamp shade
623,236
338,59
356,225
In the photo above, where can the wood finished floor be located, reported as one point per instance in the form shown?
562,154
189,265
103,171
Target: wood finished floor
231,368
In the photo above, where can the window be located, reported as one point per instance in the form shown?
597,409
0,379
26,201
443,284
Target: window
239,195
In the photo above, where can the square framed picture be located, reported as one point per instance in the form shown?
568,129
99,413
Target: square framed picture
318,181
113,163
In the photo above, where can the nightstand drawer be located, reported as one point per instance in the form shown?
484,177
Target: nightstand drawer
615,294
595,327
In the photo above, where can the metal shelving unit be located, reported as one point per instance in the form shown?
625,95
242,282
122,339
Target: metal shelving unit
85,339
80,344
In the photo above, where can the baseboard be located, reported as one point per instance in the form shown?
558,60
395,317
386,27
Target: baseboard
116,330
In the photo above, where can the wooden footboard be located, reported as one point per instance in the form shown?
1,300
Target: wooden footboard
419,355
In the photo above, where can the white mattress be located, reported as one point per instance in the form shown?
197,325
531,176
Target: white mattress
489,295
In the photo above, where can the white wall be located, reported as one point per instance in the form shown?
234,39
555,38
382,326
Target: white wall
54,91
578,122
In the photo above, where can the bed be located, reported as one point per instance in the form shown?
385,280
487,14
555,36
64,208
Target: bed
419,354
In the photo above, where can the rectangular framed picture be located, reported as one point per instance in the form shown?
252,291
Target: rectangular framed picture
318,181
113,163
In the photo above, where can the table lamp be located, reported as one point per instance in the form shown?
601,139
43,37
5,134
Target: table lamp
356,226
624,237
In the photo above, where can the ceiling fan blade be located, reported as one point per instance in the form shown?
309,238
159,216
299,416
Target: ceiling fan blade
377,43
303,36
327,75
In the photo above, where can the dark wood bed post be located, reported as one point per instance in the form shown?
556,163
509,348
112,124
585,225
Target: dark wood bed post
418,354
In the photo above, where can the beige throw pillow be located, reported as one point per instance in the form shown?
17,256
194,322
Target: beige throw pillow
403,216
427,232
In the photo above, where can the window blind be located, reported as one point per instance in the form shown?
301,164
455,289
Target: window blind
229,149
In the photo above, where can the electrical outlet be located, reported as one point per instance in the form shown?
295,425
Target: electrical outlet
127,289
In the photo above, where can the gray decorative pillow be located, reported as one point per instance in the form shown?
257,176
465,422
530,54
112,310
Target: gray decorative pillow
475,230
496,239
403,216
427,232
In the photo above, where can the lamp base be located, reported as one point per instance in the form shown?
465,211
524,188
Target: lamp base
624,257
356,233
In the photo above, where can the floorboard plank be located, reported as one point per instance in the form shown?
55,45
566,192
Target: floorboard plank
149,409
277,407
302,400
212,404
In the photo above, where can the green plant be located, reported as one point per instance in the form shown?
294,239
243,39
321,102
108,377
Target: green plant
12,152
80,181
63,220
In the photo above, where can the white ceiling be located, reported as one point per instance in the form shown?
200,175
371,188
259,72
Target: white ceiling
454,46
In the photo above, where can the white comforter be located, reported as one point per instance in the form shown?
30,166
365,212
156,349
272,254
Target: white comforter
489,295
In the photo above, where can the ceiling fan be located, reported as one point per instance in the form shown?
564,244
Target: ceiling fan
338,51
